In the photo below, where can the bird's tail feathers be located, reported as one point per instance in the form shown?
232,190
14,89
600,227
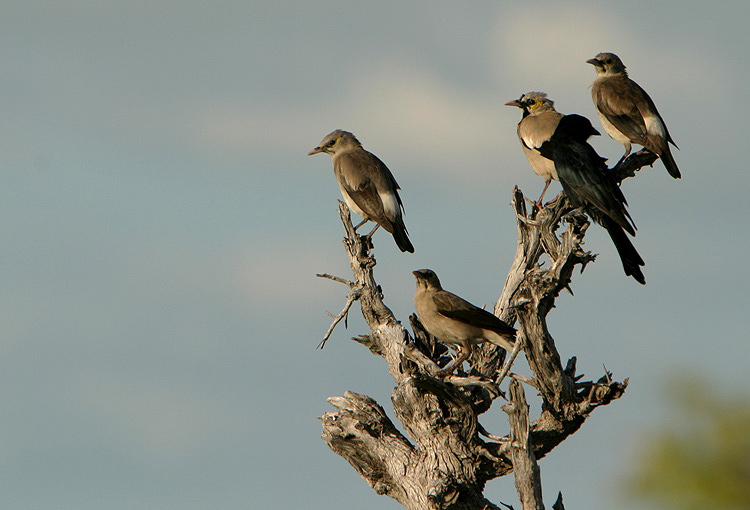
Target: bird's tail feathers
402,237
669,163
502,340
621,216
631,259
660,146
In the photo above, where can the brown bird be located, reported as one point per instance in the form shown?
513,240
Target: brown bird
538,122
583,174
627,112
455,321
368,187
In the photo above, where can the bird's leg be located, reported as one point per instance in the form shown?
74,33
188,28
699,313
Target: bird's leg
462,354
368,236
360,224
628,148
539,202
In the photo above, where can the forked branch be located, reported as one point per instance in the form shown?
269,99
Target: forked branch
444,461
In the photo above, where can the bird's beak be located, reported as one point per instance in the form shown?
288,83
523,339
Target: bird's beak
315,151
594,62
515,102
420,274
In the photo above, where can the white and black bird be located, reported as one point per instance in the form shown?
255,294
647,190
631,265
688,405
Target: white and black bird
627,112
455,321
583,174
368,187
538,122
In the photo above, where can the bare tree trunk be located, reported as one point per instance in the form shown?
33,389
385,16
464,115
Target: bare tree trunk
528,479
444,463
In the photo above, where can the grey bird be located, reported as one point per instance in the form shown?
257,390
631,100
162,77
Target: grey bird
455,321
627,112
368,187
583,174
537,124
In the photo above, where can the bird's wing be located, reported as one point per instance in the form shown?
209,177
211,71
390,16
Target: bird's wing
655,125
357,178
386,186
534,130
586,181
370,185
618,98
454,307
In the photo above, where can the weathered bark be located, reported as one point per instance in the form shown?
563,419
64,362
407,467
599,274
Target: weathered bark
444,463
525,468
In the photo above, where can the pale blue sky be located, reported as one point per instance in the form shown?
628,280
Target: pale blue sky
161,227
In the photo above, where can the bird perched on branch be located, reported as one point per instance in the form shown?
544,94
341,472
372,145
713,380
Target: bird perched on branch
537,124
455,321
583,174
627,112
368,187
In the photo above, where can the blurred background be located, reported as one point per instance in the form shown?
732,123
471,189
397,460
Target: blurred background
161,227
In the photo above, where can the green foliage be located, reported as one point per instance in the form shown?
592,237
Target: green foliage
702,461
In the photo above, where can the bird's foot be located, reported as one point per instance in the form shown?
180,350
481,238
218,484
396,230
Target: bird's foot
536,206
623,158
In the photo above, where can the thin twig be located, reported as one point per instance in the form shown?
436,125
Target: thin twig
354,294
526,380
489,435
514,353
336,279
472,380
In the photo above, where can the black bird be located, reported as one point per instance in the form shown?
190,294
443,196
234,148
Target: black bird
587,182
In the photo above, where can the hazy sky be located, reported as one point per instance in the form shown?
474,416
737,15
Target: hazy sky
161,228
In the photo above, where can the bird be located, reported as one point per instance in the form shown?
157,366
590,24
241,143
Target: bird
455,321
583,174
537,123
368,187
627,112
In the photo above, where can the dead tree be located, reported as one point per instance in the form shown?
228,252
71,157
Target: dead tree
444,463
